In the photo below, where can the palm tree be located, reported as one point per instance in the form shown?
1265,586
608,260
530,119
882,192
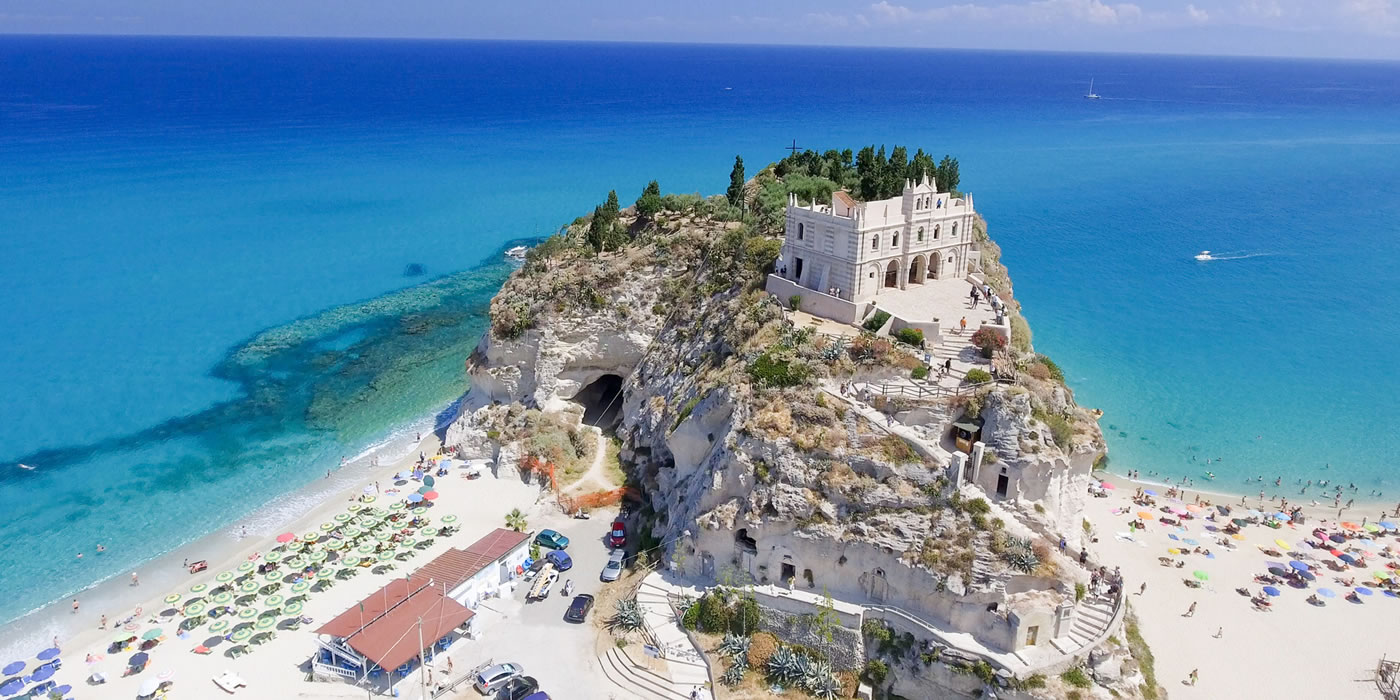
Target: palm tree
515,520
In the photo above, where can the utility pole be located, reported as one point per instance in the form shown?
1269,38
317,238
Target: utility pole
422,663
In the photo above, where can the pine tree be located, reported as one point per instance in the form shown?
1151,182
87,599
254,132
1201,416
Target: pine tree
598,230
610,208
735,193
649,204
947,174
867,174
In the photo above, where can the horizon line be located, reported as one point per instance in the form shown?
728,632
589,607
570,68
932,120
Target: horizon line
636,42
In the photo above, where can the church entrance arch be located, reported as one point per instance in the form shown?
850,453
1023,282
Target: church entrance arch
892,274
916,270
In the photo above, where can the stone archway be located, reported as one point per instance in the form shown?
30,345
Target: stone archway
601,401
916,270
892,274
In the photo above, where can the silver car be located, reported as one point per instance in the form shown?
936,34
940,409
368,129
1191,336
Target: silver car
492,678
613,569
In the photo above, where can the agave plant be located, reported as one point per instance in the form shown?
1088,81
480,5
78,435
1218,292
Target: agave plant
734,675
734,646
821,681
784,667
1020,544
627,618
1022,560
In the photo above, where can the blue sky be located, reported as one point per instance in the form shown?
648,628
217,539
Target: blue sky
1341,28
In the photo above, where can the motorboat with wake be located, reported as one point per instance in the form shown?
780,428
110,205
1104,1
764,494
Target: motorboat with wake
1204,256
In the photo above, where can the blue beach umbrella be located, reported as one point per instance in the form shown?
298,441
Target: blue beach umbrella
415,497
11,687
13,667
43,673
1191,542
1149,492
1326,593
1392,594
1387,525
1272,591
49,653
1348,558
1300,566
1282,516
62,689
1363,591
1307,575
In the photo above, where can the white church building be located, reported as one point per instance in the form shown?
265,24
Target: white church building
856,250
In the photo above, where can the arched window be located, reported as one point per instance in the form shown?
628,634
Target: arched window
935,232
875,242
955,229
894,242
800,230
920,239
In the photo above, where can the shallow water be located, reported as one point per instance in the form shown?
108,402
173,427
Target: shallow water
205,244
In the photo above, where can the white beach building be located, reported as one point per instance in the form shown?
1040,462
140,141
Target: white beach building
852,251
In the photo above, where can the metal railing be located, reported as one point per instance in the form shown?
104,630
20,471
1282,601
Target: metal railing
672,599
1388,678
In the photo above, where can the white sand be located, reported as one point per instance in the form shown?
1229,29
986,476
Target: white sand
1296,651
272,669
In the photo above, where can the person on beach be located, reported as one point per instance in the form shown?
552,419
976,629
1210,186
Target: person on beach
75,606
1193,677
80,555
1191,611
102,623
1143,589
1220,632
135,580
100,548
963,324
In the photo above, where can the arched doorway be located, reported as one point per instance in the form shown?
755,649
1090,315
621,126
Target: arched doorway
916,270
949,265
892,274
601,401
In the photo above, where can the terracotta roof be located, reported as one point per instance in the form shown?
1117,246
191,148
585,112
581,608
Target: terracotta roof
392,638
843,197
457,565
368,610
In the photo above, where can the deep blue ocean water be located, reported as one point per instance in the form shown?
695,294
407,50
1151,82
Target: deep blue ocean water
203,245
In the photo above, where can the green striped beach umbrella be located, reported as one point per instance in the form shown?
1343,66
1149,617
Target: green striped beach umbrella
420,510
245,567
223,598
318,556
249,587
325,573
194,609
218,626
449,519
296,547
224,577
310,536
408,542
273,556
273,577
365,548
297,562
273,601
265,623
327,527
199,588
335,545
355,507
384,535
172,599
300,587
247,613
352,531
385,556
293,608
152,633
397,506
242,634
343,517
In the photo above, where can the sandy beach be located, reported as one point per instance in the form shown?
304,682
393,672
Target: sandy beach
1297,649
273,668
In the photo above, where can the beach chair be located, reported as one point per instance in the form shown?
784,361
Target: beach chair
201,649
230,682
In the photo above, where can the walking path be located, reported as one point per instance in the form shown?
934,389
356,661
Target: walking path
686,668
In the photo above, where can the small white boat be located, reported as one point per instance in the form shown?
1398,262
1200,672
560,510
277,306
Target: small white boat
517,253
1091,95
1204,255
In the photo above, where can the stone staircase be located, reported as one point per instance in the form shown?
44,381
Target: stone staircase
686,669
1091,619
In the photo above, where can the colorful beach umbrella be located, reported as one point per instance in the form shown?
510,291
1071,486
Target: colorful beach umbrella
293,608
1272,591
194,609
343,517
415,497
172,599
241,634
224,577
1107,485
12,687
1372,527
430,496
1300,566
1145,515
245,567
1201,575
273,601
1388,525
12,668
1326,593
1283,545
199,588
449,519
43,673
152,633
285,538
1382,575
223,598
1350,526
249,587
247,613
1363,591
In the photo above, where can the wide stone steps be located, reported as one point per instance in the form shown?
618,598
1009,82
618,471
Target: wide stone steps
1092,618
634,681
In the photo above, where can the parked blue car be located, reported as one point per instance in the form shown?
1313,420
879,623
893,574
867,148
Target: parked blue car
560,560
552,540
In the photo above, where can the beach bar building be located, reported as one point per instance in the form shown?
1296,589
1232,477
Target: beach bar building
377,639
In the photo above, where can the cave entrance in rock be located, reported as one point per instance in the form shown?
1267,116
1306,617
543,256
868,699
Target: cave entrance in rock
601,401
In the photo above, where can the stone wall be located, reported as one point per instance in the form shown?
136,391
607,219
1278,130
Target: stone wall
846,650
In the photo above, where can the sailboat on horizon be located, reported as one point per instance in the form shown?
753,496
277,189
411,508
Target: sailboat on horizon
1091,95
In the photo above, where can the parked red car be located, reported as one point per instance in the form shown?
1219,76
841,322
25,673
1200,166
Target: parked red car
618,536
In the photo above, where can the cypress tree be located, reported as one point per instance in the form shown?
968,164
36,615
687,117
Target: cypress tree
735,193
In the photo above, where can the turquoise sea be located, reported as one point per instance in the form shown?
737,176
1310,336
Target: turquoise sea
204,246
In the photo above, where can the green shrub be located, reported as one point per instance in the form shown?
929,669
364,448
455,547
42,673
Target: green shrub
977,376
920,372
910,336
1020,334
1061,429
1035,682
984,671
685,411
876,671
745,618
776,372
978,506
691,616
988,341
794,301
1055,372
714,614
1077,678
876,321
1079,591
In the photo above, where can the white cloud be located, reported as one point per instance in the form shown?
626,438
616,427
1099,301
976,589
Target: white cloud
1037,12
1197,15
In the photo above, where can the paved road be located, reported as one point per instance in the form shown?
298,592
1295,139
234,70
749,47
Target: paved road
558,654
